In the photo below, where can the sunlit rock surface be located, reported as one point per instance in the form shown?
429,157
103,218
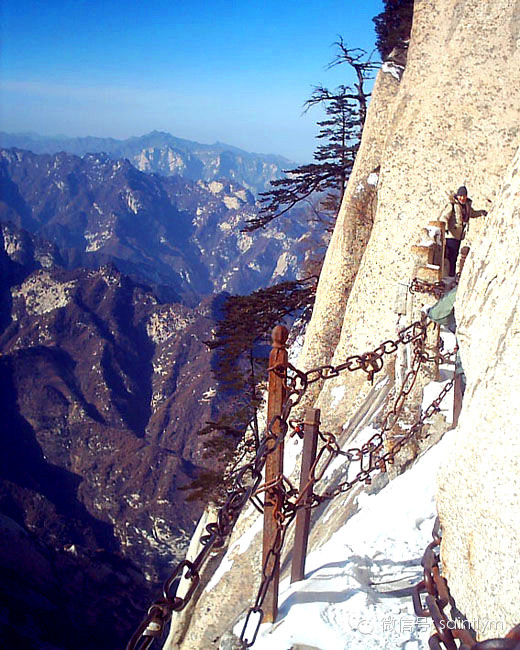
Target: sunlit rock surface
479,484
454,120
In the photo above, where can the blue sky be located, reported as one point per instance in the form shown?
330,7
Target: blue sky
235,71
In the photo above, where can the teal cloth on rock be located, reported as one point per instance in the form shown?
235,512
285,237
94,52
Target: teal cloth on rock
443,313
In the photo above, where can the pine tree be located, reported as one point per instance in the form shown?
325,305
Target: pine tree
339,136
242,343
246,324
247,321
393,26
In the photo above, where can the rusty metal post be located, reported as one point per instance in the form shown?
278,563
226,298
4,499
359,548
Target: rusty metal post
457,399
434,272
440,246
303,517
274,469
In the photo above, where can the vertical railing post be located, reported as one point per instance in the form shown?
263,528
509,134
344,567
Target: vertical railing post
457,399
303,517
440,246
432,272
274,469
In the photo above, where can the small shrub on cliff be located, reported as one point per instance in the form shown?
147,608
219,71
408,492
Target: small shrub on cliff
393,26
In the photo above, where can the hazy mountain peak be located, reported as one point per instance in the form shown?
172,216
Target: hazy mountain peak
163,153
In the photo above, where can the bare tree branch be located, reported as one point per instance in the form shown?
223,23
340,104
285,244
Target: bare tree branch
339,135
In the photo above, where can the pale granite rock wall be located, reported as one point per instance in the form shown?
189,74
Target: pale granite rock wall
345,249
479,483
454,120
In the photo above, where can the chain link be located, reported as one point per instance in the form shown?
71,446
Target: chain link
437,289
449,634
246,481
370,362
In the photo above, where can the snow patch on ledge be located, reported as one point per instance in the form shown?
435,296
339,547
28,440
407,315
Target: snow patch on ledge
394,69
338,393
358,585
373,179
434,232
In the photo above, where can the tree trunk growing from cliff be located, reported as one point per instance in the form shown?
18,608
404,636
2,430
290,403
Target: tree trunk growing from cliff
340,132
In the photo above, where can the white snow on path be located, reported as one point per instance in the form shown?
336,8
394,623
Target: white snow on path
357,591
433,389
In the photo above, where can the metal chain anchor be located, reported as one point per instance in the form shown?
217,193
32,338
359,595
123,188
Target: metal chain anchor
449,634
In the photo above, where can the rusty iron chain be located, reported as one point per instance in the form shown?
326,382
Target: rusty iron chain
370,362
415,334
437,289
247,480
448,357
369,456
372,455
284,517
449,634
369,449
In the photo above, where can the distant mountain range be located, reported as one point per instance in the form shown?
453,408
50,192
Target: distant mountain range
104,390
181,237
108,278
165,154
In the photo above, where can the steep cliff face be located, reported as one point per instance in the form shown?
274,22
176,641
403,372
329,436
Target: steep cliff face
451,120
454,120
353,226
478,485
